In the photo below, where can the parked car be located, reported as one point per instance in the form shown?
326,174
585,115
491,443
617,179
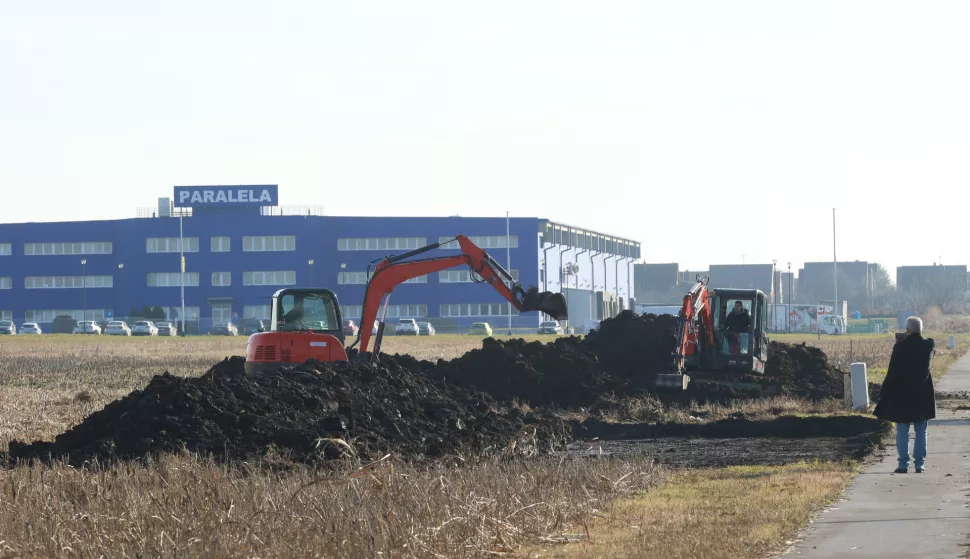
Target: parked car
7,327
406,327
87,327
550,327
117,328
350,328
249,326
30,328
480,329
425,329
63,324
144,328
167,329
227,329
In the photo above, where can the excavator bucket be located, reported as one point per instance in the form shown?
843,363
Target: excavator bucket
553,304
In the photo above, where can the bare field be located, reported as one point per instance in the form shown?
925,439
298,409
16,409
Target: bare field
183,506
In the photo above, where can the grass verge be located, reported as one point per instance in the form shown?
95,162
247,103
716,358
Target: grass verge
738,512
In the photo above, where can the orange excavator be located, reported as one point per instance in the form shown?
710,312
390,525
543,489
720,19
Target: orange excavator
306,323
713,346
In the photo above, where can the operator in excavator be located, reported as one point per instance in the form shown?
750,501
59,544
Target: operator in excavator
736,327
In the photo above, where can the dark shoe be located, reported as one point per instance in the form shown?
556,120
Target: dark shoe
920,469
899,471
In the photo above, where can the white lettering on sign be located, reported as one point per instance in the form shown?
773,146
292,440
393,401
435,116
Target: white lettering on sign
204,196
318,344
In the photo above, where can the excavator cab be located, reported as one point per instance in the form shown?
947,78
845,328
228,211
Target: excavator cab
304,324
721,333
740,321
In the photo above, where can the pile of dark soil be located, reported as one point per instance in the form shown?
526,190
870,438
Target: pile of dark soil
622,359
228,415
804,371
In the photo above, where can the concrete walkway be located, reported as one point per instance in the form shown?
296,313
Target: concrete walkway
888,515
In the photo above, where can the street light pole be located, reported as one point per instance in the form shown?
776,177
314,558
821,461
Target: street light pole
84,294
791,295
121,278
310,266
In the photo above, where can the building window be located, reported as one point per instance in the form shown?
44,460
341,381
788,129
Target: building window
5,249
54,249
6,315
173,313
382,243
171,244
466,276
269,244
221,313
257,312
171,279
490,241
476,309
361,278
393,311
6,283
219,244
221,279
270,278
48,315
67,282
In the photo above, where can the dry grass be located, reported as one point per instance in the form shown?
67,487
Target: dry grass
183,507
875,349
738,512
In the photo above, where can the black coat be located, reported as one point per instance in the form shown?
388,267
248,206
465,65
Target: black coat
907,394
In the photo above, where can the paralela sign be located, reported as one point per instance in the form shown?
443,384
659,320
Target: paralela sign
241,195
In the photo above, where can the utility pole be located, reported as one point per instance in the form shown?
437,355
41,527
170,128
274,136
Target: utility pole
835,268
84,296
791,294
182,273
309,264
121,276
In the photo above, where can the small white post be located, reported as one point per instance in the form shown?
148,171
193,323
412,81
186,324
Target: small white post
952,343
860,386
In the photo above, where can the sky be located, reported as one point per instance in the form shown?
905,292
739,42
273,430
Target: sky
712,132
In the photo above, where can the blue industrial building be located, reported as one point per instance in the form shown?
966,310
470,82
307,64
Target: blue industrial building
240,249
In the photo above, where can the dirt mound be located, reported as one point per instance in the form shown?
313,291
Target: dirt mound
804,371
621,359
228,415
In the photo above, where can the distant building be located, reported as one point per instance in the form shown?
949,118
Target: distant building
815,281
690,276
743,276
915,277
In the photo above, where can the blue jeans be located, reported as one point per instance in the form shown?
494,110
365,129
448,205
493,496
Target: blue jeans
902,444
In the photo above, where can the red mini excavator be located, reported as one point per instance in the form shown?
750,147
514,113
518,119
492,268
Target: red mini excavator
306,323
712,347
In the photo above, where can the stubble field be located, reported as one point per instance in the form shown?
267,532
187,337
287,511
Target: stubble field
186,506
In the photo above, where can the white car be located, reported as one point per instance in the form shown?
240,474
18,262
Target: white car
167,328
117,328
7,327
144,328
407,327
30,328
550,327
87,327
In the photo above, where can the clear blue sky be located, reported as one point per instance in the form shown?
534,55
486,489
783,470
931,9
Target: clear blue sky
710,131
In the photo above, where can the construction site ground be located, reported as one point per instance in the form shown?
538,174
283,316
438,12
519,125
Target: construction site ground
885,515
94,393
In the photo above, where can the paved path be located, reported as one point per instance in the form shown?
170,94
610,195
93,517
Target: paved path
887,516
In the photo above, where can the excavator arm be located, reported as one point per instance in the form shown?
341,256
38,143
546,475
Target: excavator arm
695,331
395,270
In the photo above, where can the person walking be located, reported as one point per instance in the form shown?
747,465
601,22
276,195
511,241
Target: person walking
907,397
